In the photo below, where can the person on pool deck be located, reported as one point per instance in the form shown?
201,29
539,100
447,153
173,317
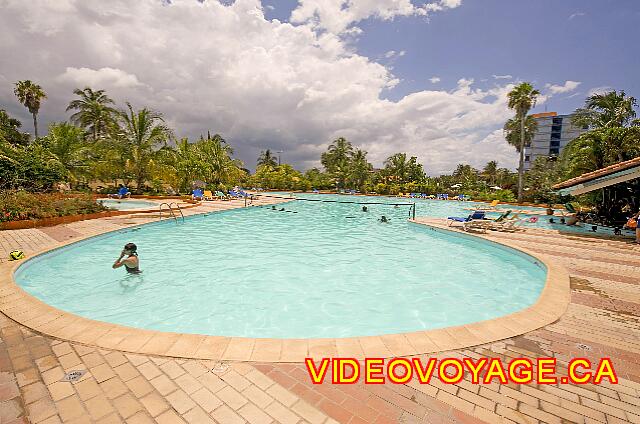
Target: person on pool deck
131,262
632,224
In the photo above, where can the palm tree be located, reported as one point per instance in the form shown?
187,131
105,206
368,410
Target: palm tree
521,99
606,110
143,131
490,172
10,130
94,112
402,170
360,169
267,159
512,131
336,160
66,143
397,167
30,95
600,148
465,175
216,154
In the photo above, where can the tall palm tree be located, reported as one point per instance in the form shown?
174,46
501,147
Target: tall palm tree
521,99
94,112
360,169
266,158
143,132
337,158
30,95
512,131
606,110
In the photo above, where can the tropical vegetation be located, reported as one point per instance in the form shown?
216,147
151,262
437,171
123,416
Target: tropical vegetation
103,145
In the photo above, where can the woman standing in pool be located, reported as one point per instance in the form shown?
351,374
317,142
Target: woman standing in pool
131,262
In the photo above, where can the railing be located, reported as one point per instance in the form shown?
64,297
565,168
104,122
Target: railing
179,209
173,215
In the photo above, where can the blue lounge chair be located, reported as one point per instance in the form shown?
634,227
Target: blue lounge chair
121,194
475,215
197,194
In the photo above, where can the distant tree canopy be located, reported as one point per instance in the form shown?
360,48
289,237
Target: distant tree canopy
103,144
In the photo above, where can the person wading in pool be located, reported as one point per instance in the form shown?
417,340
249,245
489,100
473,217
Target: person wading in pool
131,262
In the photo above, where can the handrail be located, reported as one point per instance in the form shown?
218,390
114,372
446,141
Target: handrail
179,210
170,211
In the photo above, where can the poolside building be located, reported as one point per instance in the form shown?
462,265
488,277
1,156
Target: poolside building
554,132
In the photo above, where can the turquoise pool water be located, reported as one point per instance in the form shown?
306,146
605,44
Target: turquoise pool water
126,204
313,270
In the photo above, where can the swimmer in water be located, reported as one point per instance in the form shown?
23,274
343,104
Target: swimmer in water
384,219
131,262
364,209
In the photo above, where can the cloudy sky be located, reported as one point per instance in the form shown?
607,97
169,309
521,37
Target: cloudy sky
424,77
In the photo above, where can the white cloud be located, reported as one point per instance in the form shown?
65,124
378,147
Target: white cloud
259,83
565,88
499,77
393,55
599,90
337,16
434,80
103,77
575,15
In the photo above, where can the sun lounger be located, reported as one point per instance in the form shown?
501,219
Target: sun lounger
220,195
513,224
491,206
207,195
474,216
484,224
197,194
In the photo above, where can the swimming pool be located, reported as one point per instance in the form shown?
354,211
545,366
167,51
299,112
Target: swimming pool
313,270
127,204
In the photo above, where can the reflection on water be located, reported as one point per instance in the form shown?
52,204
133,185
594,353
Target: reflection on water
130,282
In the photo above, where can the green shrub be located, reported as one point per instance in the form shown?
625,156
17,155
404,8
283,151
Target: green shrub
21,205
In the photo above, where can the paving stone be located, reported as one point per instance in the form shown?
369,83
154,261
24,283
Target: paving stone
126,371
257,396
231,397
169,417
180,401
224,414
207,400
70,408
139,386
154,404
127,405
253,414
163,385
60,390
198,416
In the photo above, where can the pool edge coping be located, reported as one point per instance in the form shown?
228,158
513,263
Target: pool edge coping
33,313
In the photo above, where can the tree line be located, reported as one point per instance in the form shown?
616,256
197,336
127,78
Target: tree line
102,143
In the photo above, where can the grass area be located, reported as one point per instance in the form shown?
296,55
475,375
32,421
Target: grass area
21,205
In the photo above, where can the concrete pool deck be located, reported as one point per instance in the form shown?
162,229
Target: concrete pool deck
602,319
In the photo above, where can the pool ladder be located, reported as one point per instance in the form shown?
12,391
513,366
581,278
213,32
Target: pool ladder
171,211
